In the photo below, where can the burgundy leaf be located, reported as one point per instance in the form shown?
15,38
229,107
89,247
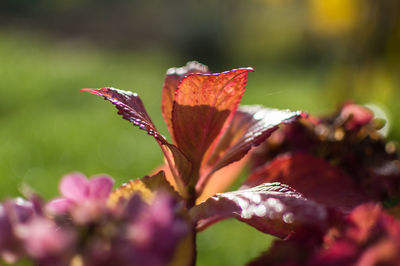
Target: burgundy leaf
250,126
131,108
171,82
367,237
314,177
203,104
349,140
272,208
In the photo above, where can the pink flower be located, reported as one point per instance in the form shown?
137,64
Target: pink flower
13,213
356,116
42,238
80,194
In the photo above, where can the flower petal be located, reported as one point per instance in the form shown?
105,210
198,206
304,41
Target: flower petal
59,205
355,116
42,238
75,187
100,187
157,234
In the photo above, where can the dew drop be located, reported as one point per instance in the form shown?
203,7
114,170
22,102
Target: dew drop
288,218
256,198
275,204
242,203
259,115
260,210
246,214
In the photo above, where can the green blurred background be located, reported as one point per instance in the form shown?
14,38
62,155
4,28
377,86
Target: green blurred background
308,55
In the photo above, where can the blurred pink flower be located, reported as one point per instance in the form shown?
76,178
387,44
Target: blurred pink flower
356,116
13,213
43,239
145,234
81,197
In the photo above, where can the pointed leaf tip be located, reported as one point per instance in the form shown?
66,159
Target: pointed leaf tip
87,89
131,108
94,91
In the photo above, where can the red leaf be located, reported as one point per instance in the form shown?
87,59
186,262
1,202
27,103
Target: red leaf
356,116
171,82
250,126
131,108
314,177
272,208
203,104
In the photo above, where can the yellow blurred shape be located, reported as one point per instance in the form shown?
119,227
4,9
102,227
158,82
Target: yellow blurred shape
277,2
334,17
127,190
183,254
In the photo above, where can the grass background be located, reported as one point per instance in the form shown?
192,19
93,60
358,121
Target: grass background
49,128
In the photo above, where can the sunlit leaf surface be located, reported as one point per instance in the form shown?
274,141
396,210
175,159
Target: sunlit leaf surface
171,82
203,104
272,208
250,126
314,177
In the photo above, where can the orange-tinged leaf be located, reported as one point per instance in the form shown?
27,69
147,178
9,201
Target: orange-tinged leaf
168,174
222,180
250,126
180,164
203,104
171,82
